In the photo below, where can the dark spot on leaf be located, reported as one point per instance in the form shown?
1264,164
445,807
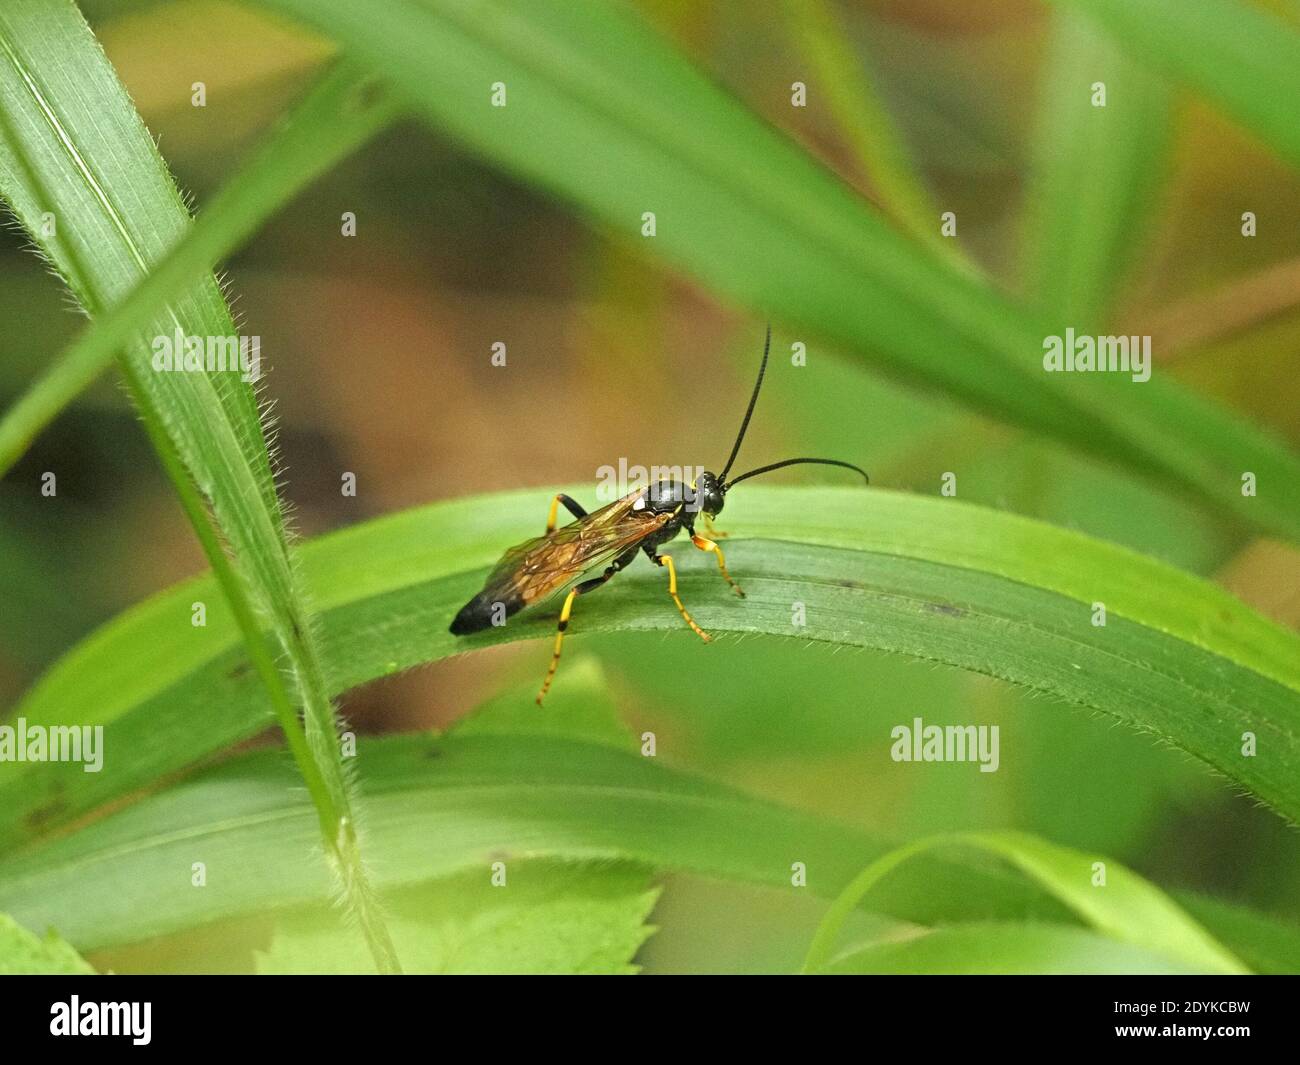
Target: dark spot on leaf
856,585
366,96
947,609
240,670
42,815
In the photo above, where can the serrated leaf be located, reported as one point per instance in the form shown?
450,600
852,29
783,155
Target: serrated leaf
23,953
545,918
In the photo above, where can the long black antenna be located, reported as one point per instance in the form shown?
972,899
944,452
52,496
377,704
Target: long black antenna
767,344
796,462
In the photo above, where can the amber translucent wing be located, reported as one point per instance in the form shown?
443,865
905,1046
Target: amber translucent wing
534,569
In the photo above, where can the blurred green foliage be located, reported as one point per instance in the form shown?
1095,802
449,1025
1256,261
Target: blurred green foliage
379,348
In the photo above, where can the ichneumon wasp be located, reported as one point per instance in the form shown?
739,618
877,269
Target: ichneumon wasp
639,521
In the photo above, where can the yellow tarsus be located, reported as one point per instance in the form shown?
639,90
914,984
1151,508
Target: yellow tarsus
555,510
705,544
559,643
666,561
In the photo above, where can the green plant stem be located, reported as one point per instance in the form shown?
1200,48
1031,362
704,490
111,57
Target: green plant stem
75,147
332,817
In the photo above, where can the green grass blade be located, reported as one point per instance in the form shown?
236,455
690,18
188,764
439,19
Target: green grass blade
1266,945
1001,949
759,221
1123,906
1094,171
74,148
341,113
1245,59
843,76
930,578
434,807
437,806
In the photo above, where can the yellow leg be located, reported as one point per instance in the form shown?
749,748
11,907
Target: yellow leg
708,545
716,534
559,642
555,510
569,505
666,561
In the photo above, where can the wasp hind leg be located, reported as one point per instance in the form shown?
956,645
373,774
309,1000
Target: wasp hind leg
666,562
567,609
573,508
705,544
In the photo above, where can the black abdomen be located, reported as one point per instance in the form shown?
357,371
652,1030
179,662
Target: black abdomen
479,613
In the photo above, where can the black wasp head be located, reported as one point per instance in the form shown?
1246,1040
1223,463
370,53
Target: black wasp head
710,494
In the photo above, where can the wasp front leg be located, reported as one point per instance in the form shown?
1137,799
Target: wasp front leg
715,534
705,544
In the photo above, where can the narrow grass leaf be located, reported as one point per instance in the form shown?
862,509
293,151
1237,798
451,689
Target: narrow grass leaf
441,806
1113,900
1177,657
1096,164
844,78
1244,58
603,112
1003,949
83,176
